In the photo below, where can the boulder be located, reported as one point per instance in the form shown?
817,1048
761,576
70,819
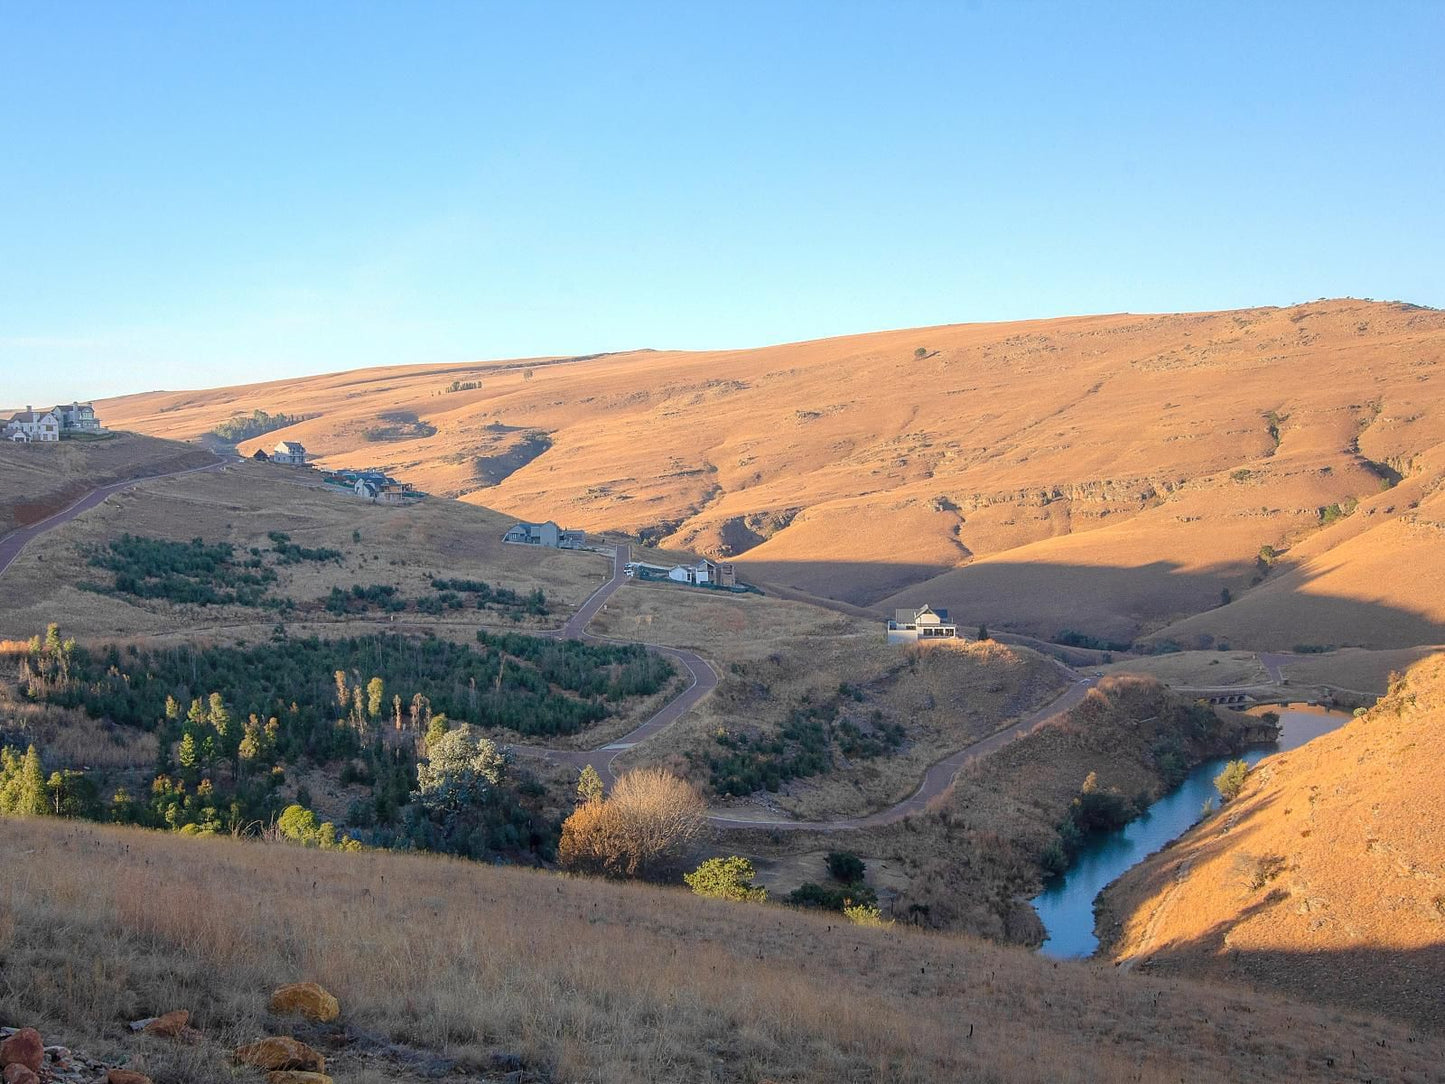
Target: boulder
306,998
281,1052
171,1025
23,1048
15,1073
296,1076
126,1076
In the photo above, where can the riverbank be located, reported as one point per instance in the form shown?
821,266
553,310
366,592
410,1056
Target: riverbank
1321,879
1066,906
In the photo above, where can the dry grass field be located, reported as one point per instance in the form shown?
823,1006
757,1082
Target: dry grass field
775,655
37,480
440,965
401,546
1324,878
1109,474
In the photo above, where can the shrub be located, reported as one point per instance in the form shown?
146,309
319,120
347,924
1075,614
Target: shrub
845,866
728,878
1231,781
866,914
831,897
651,819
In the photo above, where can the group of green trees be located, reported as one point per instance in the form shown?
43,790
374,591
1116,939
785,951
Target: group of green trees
232,722
807,744
241,427
197,572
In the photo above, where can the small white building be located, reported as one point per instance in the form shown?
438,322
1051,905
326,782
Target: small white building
290,452
925,623
32,425
698,573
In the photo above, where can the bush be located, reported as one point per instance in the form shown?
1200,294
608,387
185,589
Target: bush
726,879
1231,781
845,866
866,914
651,819
832,897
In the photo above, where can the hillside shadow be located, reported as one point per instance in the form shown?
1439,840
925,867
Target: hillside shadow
1111,607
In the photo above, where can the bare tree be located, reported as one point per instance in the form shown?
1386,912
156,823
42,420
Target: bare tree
651,820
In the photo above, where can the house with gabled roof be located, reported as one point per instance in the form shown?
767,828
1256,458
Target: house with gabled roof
925,623
30,425
291,452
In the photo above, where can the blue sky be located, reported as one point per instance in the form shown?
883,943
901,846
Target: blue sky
201,194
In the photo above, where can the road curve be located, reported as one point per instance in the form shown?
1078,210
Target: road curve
18,539
937,779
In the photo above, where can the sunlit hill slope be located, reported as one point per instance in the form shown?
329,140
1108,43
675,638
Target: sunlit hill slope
1325,877
1111,474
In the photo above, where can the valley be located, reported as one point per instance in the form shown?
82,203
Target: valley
337,651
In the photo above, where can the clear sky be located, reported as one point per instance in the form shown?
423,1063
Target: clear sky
195,194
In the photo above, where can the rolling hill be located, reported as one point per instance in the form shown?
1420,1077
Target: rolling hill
1325,878
1117,475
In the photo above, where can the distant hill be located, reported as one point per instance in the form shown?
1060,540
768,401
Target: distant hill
1117,477
1325,878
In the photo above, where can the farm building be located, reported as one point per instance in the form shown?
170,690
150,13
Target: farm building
291,452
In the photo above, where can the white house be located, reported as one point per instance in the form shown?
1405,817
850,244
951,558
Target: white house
291,452
925,623
30,425
698,573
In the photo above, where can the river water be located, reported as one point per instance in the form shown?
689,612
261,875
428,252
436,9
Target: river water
1066,906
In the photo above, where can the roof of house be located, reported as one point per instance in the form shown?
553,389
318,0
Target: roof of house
291,447
30,416
911,616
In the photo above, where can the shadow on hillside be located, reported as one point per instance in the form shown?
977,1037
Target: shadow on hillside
1404,984
1109,607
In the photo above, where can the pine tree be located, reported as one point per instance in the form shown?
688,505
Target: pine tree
187,755
375,693
220,718
589,785
31,799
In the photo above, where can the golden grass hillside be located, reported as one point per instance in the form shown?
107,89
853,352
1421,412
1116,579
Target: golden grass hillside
441,965
1324,878
37,480
1110,474
241,504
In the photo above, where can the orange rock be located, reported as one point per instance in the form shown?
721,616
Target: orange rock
305,998
126,1076
15,1073
23,1048
295,1076
281,1052
169,1026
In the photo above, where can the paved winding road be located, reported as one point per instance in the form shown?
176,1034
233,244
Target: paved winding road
16,540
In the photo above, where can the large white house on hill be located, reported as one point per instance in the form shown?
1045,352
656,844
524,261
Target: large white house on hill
924,623
31,425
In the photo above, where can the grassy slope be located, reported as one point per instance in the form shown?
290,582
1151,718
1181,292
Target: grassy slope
37,480
240,504
1324,878
594,981
1108,473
